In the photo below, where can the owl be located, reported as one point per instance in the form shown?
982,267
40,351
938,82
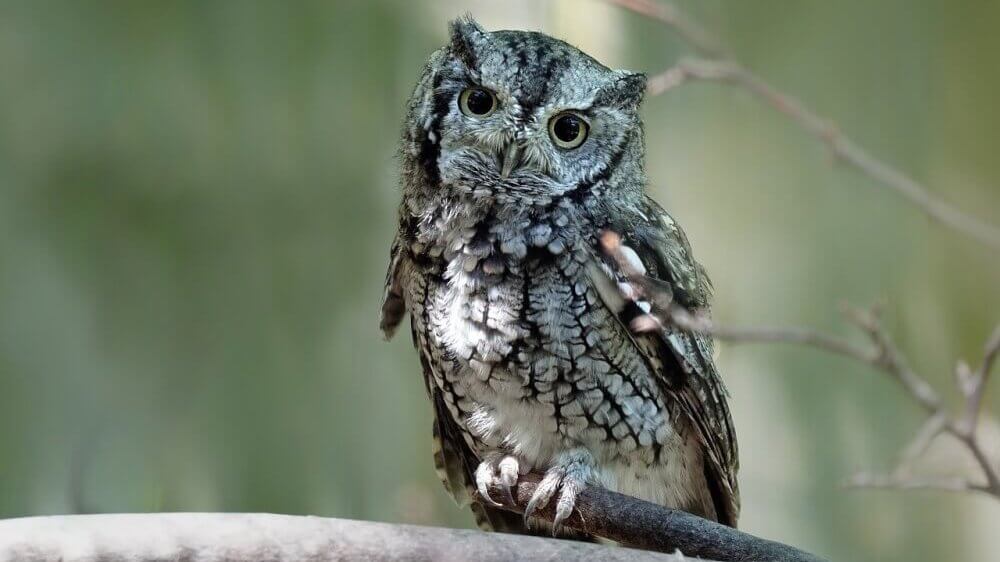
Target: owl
519,152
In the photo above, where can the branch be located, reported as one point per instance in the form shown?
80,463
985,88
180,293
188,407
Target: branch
246,537
974,384
720,67
881,354
899,482
692,33
649,526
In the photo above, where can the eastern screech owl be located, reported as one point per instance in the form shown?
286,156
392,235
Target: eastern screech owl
518,152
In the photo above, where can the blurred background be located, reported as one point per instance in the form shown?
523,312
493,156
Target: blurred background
197,200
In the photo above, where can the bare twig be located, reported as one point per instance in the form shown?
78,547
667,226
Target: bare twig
976,384
646,525
882,354
929,431
692,33
890,360
898,482
719,66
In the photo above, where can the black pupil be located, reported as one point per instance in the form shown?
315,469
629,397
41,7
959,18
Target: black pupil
567,128
479,102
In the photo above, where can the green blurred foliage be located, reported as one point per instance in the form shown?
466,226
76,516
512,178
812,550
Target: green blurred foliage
196,202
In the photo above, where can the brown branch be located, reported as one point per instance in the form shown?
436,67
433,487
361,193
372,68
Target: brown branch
250,537
932,427
900,482
771,334
649,526
721,67
692,33
975,386
882,355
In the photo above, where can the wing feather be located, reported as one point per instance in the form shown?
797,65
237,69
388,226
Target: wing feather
393,303
666,258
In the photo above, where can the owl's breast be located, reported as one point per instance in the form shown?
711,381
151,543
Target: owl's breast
522,346
503,276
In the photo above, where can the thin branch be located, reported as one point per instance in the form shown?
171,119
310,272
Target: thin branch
723,68
251,537
772,334
649,526
989,468
882,355
892,482
990,354
976,387
693,34
891,360
922,440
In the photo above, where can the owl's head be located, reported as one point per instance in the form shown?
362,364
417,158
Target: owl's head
522,116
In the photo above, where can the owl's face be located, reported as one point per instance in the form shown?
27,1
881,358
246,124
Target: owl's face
521,114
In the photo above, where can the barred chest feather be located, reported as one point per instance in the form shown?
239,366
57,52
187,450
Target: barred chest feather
529,359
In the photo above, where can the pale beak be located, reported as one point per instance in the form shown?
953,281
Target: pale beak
511,159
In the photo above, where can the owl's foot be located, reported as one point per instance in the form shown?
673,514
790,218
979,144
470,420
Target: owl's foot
501,470
568,476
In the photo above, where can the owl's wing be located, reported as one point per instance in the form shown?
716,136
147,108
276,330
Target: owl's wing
393,303
688,371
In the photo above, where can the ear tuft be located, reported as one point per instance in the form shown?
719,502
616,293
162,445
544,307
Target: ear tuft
631,87
627,91
466,34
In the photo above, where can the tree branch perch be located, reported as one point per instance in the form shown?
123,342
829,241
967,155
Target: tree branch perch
649,526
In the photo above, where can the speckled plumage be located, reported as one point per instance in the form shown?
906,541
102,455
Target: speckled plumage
521,324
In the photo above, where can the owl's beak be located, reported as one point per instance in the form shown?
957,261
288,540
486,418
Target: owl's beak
511,159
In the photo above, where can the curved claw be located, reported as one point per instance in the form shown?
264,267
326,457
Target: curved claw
565,480
543,493
567,502
508,477
484,476
507,494
557,522
500,470
532,505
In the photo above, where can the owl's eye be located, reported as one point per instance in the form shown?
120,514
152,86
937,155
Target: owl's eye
568,130
477,102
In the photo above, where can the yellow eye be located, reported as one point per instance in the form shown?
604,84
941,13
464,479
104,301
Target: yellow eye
568,130
477,102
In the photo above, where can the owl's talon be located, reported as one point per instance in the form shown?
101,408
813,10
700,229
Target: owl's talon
544,492
484,477
566,502
507,494
566,479
508,477
556,526
532,505
497,469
